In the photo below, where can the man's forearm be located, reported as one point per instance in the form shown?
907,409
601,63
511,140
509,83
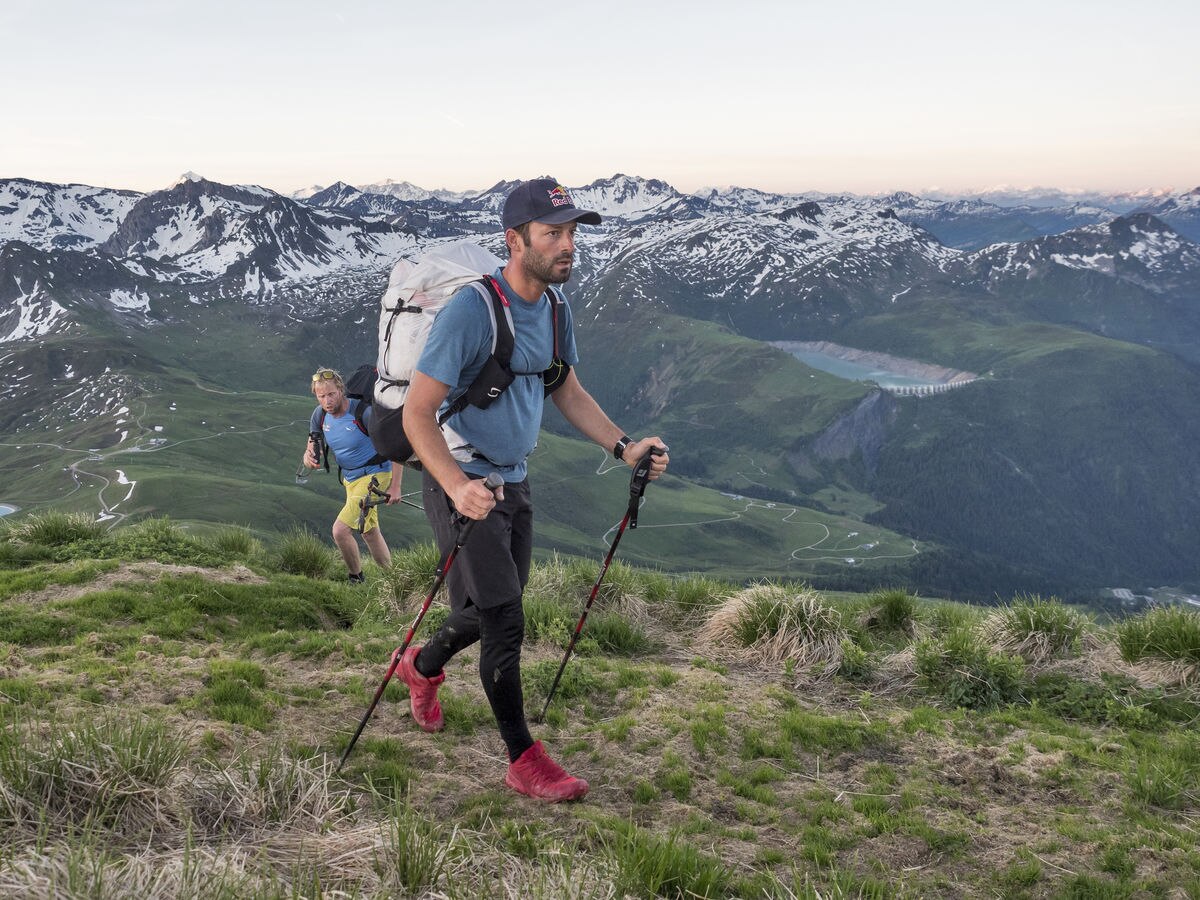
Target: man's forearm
584,413
425,396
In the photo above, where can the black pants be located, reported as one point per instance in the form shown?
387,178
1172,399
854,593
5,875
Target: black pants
486,583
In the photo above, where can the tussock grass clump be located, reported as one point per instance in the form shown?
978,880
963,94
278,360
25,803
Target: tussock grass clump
412,571
1036,629
398,590
568,582
774,623
300,552
944,617
1167,640
961,669
56,529
236,542
415,856
239,799
109,772
697,596
894,609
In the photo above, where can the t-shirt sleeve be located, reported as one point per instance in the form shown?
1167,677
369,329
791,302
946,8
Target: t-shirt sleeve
459,334
314,421
569,352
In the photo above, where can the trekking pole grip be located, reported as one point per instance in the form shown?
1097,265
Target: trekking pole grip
493,483
638,482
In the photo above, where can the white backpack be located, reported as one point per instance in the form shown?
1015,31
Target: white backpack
416,291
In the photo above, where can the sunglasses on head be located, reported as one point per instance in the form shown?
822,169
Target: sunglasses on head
325,375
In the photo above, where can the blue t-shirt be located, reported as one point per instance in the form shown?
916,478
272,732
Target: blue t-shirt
351,447
459,345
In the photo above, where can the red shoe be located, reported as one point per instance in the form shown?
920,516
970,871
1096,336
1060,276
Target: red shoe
422,692
537,775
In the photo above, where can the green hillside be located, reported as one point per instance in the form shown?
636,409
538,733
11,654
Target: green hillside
1068,466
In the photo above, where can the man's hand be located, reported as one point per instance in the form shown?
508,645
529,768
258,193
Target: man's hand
473,499
658,462
310,457
394,492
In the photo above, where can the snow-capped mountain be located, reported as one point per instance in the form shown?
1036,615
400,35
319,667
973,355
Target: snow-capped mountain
1039,197
769,273
1138,249
286,240
740,199
352,201
1180,211
60,215
972,224
213,230
404,190
191,214
46,292
762,261
631,199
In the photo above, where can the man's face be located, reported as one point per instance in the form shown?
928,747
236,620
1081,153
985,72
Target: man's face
328,396
550,253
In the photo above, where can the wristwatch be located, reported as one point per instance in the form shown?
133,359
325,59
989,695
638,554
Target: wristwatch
619,447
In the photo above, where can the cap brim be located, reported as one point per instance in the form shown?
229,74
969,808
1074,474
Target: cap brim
571,214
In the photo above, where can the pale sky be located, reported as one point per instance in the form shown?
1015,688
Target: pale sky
793,95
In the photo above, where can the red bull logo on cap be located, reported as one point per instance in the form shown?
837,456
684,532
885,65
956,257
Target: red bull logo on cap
559,196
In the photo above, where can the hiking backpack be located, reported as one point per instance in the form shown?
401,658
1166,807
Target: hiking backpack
416,291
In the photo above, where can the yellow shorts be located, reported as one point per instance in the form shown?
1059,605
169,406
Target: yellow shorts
356,490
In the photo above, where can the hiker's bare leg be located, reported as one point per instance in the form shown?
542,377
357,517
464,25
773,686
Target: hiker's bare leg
378,547
343,537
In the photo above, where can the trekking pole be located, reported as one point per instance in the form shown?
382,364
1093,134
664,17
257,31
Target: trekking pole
376,497
637,487
492,482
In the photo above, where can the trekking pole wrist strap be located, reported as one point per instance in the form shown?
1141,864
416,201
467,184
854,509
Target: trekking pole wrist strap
619,447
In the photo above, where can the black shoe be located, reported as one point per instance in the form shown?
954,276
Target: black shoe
357,579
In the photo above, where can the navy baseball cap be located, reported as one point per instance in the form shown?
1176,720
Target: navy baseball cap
543,200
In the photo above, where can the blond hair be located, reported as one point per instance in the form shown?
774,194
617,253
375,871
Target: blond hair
325,375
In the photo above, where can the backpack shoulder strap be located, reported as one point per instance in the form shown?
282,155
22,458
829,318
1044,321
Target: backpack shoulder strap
503,330
558,322
357,410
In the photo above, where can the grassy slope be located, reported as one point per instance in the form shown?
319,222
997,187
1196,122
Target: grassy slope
212,452
1059,454
761,782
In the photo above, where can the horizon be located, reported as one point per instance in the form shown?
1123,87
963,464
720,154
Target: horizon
773,95
927,192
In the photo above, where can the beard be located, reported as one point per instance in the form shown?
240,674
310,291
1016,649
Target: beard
545,268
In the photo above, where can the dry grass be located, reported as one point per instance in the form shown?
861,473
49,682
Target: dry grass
897,672
570,582
773,624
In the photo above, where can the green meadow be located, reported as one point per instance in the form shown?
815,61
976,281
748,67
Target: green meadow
175,701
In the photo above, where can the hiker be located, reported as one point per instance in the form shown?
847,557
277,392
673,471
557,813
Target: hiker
486,584
346,436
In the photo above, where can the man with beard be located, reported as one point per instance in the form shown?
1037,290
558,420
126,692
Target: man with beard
489,574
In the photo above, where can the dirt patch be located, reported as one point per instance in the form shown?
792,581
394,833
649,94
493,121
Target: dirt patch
140,572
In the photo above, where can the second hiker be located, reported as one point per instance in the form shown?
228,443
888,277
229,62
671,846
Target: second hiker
344,431
488,579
